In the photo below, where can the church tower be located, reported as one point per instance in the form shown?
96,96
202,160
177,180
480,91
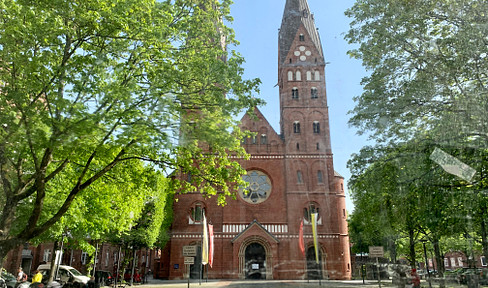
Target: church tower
304,123
290,174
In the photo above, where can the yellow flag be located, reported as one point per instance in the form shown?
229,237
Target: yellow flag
314,233
205,241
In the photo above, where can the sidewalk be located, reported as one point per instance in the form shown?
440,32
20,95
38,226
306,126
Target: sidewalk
156,283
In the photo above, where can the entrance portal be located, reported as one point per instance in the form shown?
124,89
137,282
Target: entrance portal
255,258
196,270
314,270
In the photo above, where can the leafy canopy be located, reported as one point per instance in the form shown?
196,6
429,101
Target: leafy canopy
90,88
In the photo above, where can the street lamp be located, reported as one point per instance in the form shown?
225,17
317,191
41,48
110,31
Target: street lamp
426,261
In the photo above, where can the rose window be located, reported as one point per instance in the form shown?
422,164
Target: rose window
259,187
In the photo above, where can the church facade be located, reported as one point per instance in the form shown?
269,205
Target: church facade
291,175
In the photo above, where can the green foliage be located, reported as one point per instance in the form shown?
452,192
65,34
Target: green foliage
427,89
99,98
428,68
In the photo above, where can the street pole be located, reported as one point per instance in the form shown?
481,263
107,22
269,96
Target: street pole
426,262
188,269
378,268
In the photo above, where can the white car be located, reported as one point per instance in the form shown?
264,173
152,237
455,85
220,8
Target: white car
66,274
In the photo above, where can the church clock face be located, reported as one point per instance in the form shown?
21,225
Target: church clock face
259,187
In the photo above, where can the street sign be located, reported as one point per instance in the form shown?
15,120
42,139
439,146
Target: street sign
190,251
376,251
189,260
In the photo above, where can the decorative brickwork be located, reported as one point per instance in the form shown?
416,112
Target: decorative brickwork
260,239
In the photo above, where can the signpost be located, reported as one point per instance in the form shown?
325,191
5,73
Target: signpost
189,252
376,252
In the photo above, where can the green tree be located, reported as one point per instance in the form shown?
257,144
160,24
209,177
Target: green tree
428,68
427,63
91,87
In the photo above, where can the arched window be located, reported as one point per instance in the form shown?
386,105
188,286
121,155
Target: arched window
299,177
290,75
307,211
298,146
320,176
302,37
317,76
264,139
196,212
316,127
309,75
294,93
296,127
314,93
298,76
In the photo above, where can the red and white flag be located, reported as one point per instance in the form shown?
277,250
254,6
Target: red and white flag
301,243
210,245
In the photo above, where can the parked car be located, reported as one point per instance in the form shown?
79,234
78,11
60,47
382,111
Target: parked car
8,279
67,275
104,278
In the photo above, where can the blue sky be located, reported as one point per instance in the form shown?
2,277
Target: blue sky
256,24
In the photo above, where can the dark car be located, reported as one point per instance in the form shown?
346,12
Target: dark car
103,278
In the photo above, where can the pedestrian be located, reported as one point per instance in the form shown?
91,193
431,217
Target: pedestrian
92,283
21,276
415,279
37,277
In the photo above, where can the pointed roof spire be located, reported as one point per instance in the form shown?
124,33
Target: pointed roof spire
296,13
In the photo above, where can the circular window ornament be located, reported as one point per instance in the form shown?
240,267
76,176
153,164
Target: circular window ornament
259,187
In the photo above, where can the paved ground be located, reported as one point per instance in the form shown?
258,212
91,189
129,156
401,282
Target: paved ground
278,284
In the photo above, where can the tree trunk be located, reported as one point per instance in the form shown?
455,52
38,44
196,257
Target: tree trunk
53,267
392,249
484,233
133,265
440,262
411,252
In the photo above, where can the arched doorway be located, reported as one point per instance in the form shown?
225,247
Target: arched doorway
314,270
255,261
196,270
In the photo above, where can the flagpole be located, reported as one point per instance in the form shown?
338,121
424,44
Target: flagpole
201,250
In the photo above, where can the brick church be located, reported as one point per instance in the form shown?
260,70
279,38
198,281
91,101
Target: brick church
290,174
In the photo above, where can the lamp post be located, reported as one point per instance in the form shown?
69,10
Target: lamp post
426,262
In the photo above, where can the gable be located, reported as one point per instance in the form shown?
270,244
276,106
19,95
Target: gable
258,124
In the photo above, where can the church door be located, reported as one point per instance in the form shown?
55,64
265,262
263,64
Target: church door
196,269
314,270
255,258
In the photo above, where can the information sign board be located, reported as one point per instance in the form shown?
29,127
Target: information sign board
189,260
376,251
190,251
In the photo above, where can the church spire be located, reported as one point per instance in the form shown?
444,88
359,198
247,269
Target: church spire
296,13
